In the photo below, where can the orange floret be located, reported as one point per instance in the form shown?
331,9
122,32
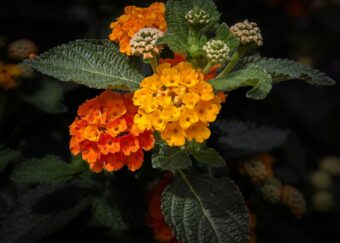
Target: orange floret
103,133
173,61
154,216
8,74
134,19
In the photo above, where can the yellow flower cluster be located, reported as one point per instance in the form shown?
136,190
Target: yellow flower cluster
178,103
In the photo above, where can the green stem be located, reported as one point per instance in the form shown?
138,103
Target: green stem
193,42
207,68
234,59
154,64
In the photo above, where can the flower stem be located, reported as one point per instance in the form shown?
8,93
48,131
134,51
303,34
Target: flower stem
234,59
207,68
154,64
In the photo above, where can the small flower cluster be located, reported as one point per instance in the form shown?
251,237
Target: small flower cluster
198,17
294,200
134,19
154,216
8,74
22,49
247,32
143,43
258,169
178,103
217,51
105,135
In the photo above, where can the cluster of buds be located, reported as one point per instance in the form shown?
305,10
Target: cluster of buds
330,165
22,49
323,200
216,51
320,180
143,43
197,17
256,170
247,32
27,72
294,200
271,190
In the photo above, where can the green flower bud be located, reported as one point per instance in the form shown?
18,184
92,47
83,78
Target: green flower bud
271,190
331,165
320,180
216,51
197,17
323,201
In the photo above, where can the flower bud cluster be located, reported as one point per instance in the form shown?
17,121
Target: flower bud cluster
247,32
217,51
143,43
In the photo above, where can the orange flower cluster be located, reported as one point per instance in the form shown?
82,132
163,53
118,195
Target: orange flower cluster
134,19
8,73
154,217
105,135
252,228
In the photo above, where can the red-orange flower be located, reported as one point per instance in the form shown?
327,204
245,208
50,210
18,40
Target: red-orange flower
134,19
8,74
105,136
154,216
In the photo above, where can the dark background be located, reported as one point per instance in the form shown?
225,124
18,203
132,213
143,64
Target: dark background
306,31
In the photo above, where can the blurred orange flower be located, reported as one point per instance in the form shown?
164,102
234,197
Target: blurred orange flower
105,135
134,19
154,216
8,73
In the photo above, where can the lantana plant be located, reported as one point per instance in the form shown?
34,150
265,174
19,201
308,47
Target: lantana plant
165,71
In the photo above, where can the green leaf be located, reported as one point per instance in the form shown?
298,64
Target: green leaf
238,139
94,63
283,69
120,207
209,157
50,170
42,211
6,156
223,33
201,208
108,213
48,97
177,33
253,76
170,158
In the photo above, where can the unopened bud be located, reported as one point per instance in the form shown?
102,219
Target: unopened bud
247,32
143,43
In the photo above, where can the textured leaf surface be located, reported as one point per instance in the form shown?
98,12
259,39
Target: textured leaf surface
200,208
223,33
108,213
252,76
94,63
209,157
176,36
42,211
48,97
6,155
49,170
170,158
283,69
239,139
